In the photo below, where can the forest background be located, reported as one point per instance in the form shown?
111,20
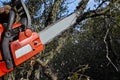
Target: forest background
90,50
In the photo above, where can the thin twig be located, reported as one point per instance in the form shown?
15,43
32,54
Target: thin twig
107,42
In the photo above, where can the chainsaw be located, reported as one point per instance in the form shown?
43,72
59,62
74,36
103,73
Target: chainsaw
19,42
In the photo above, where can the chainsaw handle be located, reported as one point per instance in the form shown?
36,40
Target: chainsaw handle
23,13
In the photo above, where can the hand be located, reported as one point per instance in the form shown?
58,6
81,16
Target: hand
6,9
1,10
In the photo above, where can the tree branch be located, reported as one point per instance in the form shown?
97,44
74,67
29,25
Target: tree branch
110,55
93,13
47,70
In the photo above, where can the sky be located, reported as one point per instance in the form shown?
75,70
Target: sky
73,3
72,6
7,1
91,5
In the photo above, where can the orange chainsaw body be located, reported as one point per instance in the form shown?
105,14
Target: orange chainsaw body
26,46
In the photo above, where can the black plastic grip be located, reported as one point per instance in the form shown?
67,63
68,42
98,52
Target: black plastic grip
6,39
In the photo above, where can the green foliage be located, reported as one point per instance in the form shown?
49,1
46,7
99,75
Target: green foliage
44,13
79,74
87,46
82,53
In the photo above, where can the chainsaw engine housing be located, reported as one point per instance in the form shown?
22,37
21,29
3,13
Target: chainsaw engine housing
21,49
